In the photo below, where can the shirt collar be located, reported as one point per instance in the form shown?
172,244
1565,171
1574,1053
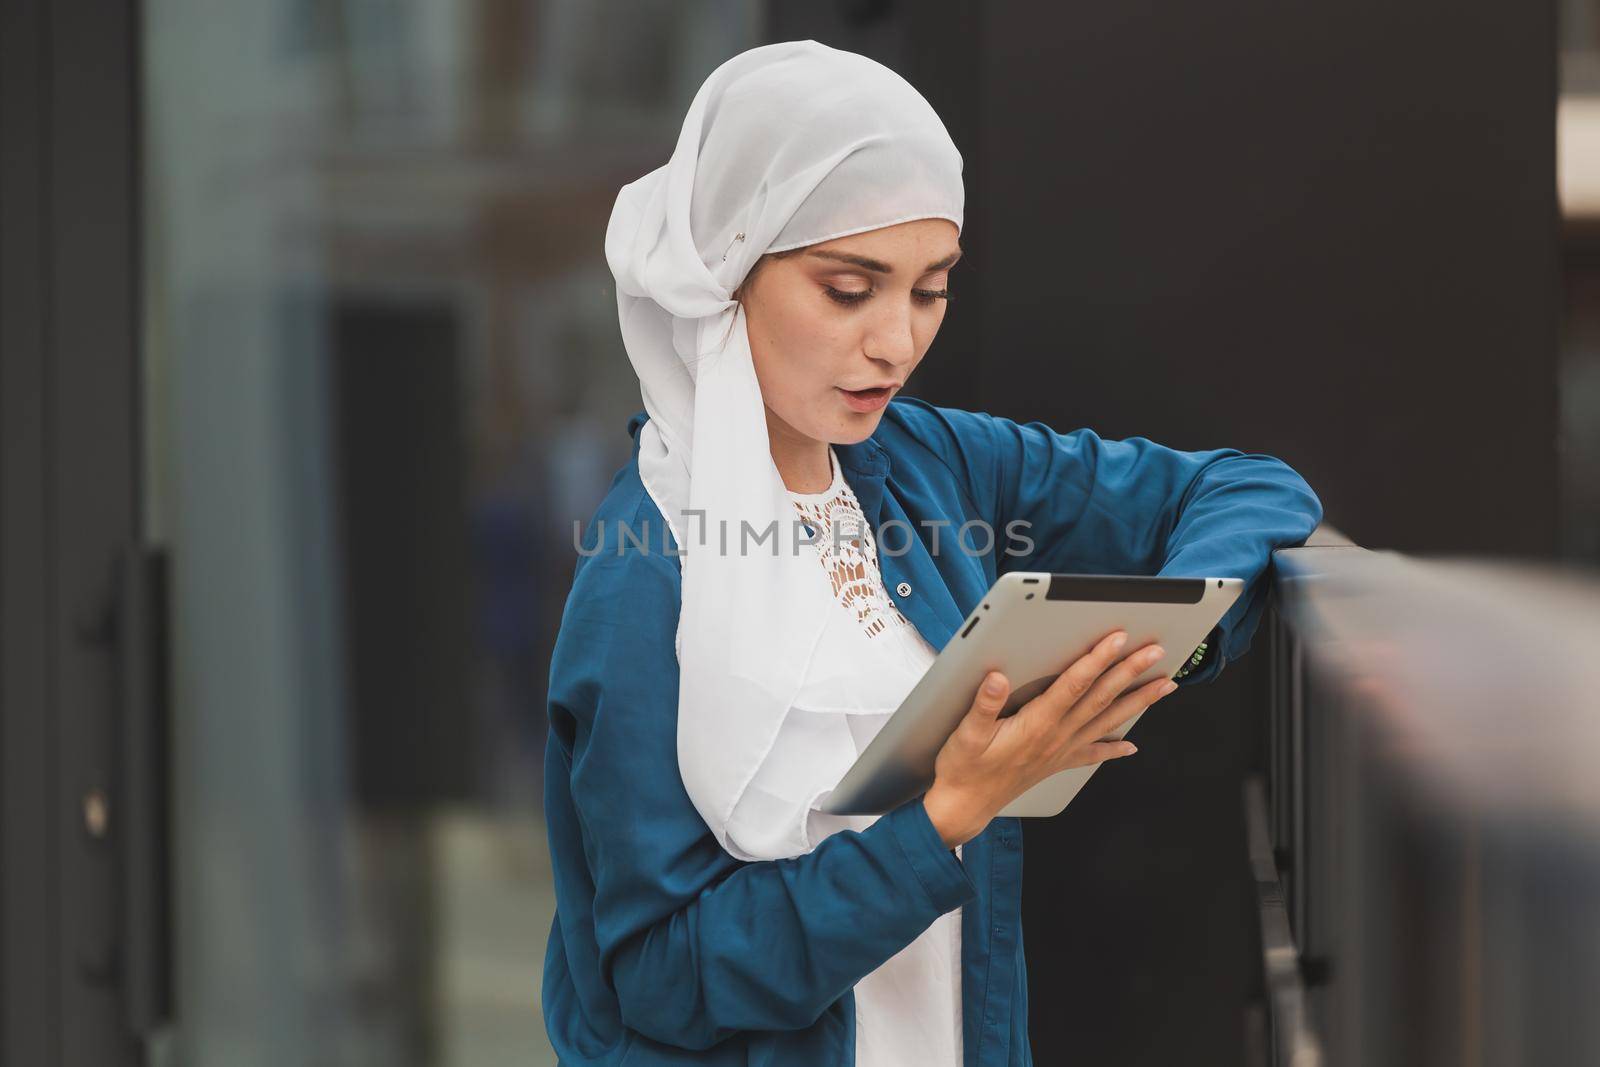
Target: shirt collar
866,457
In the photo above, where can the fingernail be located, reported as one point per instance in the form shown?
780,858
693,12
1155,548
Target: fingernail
1168,686
1132,748
1118,641
993,685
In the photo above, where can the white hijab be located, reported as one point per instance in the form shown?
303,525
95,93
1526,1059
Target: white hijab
785,145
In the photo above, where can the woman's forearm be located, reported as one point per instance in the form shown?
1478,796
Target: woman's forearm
773,944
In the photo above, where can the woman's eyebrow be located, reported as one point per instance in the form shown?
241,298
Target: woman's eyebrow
879,267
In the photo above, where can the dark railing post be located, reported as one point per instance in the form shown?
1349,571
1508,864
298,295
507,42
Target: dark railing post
1424,830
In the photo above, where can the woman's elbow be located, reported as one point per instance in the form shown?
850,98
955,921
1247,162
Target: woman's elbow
1297,495
678,1003
665,1007
1310,502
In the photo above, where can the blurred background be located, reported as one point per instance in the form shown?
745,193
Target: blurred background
311,361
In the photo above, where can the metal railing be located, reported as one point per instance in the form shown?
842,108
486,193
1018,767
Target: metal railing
1425,832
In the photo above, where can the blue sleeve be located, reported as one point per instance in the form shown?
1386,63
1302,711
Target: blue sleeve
695,944
1088,505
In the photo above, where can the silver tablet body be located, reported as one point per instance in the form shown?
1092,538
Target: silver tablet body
1031,626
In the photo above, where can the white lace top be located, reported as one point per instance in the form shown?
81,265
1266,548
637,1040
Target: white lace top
908,1011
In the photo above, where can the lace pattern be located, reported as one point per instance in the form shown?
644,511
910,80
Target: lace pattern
849,553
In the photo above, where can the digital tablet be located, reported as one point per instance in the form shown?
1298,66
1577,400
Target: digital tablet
1030,626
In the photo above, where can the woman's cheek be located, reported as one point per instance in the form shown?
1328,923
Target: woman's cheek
829,340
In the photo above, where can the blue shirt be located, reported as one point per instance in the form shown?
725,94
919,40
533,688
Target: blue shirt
664,948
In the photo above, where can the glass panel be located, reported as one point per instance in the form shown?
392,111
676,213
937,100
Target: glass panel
383,378
1578,138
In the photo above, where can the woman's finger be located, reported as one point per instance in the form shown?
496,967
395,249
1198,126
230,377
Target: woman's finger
1110,686
1100,751
1126,707
983,716
1071,684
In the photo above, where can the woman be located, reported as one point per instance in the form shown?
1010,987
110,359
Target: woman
776,567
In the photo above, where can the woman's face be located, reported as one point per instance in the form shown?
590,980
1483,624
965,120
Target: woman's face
846,315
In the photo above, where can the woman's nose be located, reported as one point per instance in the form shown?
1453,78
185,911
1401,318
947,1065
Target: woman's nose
891,340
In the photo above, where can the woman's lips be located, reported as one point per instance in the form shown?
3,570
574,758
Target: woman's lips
866,399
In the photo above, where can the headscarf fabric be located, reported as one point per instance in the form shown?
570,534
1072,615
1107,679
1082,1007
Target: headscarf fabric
784,146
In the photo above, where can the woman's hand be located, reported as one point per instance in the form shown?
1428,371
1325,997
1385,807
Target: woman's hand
990,761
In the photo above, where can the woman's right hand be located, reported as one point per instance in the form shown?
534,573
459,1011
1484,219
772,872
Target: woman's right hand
990,761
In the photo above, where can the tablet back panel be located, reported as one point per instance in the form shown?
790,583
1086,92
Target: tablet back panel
1030,626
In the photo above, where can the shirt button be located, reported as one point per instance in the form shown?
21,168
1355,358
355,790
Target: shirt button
904,589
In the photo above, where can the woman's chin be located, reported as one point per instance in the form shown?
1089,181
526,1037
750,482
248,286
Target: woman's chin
858,426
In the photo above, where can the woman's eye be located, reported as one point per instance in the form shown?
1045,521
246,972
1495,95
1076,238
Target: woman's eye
843,297
922,296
